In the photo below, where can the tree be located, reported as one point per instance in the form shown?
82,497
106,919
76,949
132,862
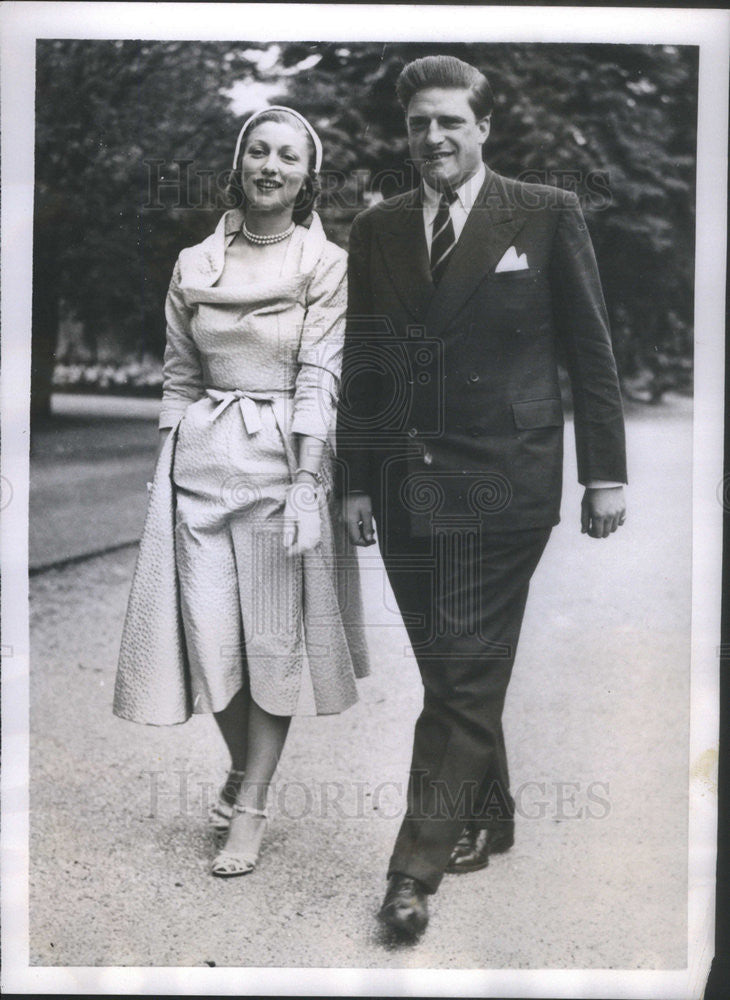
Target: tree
133,140
112,120
617,123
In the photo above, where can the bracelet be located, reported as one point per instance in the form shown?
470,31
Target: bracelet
315,475
304,496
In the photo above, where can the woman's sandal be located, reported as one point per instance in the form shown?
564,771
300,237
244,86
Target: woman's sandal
221,811
228,864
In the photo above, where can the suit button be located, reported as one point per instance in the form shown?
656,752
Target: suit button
474,377
475,431
412,431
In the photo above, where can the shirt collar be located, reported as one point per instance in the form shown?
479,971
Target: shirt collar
466,194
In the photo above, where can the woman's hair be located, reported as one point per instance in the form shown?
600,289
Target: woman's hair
310,189
446,72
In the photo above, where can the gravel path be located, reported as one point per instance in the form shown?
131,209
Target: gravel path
596,725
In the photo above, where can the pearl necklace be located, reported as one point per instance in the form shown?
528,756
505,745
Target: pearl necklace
261,241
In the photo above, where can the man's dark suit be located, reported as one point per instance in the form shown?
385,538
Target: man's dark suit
451,421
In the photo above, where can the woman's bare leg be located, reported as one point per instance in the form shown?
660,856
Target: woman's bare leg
266,737
233,726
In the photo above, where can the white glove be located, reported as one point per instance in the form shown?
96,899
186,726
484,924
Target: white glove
301,518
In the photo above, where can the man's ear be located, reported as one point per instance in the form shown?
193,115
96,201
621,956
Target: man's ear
484,125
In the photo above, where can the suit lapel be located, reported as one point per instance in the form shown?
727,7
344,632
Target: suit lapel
490,228
403,244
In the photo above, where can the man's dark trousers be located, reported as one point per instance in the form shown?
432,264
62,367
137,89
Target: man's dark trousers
462,595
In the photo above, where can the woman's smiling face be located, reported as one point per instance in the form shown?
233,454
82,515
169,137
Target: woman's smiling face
274,166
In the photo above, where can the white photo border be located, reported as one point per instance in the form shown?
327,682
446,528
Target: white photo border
22,24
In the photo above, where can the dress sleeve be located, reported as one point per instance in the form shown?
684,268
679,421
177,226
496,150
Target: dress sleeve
360,399
182,374
320,350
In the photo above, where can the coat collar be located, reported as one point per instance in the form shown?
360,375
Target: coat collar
403,243
201,265
492,224
490,229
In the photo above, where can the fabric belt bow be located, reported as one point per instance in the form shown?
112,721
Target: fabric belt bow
248,403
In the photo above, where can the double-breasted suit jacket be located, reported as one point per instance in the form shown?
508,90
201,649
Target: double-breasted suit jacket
457,386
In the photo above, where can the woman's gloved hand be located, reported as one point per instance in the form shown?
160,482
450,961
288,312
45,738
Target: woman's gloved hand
301,518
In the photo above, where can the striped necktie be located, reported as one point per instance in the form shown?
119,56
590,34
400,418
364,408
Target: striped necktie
443,240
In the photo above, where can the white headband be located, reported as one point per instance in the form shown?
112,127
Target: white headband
280,107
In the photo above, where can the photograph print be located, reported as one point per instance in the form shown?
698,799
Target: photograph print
360,532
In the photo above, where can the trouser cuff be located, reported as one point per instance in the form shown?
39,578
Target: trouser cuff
430,879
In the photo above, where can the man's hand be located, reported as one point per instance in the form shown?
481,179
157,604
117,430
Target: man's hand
357,511
602,511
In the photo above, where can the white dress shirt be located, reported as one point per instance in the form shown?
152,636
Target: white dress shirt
459,210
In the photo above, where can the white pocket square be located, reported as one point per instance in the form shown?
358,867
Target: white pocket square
511,262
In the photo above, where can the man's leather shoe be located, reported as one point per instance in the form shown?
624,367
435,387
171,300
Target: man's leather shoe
405,907
472,849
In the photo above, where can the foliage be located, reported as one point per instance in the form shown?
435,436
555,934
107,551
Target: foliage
132,379
615,122
108,113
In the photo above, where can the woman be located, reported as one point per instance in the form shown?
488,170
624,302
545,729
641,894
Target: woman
235,585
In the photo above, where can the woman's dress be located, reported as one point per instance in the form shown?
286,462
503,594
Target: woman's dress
246,369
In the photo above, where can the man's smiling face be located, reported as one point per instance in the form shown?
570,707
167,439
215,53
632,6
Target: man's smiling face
444,136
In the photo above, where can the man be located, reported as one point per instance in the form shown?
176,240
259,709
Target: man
462,295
